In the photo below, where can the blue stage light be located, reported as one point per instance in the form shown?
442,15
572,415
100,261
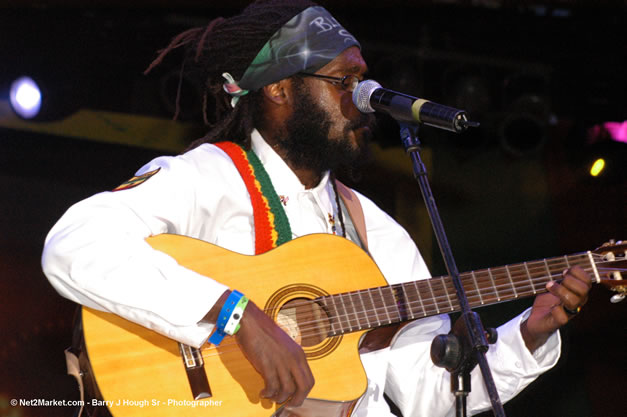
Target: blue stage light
25,97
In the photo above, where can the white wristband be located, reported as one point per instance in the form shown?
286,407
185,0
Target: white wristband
232,325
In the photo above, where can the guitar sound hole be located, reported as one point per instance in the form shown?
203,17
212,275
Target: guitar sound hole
305,321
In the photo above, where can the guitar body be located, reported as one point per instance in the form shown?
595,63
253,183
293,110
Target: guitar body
140,372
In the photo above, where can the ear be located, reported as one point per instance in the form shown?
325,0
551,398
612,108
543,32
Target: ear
278,92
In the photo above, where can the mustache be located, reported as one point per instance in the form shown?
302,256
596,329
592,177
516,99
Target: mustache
364,120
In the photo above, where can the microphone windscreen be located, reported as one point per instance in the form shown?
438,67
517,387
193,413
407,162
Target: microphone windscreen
362,93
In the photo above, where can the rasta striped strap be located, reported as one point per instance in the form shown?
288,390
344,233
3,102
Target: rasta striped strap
272,227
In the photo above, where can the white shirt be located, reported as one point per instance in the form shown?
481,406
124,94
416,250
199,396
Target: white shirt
96,255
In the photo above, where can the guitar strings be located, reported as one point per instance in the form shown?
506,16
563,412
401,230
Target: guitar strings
426,303
495,294
229,347
306,328
489,289
535,281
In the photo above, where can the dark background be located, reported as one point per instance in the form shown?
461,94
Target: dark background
537,75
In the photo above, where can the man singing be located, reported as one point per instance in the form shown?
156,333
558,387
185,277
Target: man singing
281,74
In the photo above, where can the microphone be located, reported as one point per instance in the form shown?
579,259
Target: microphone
369,97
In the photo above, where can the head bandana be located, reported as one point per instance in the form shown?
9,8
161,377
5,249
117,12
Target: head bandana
306,43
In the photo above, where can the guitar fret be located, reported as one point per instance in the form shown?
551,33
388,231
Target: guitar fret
533,287
389,300
350,298
435,301
347,312
594,268
474,278
424,311
470,292
364,309
400,298
337,316
385,308
408,301
332,316
374,308
498,297
511,281
396,301
566,259
504,283
522,280
548,270
447,294
340,314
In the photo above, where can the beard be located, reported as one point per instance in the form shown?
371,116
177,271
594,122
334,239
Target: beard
307,142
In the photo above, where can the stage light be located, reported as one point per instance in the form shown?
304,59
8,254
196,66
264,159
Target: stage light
616,131
597,167
25,97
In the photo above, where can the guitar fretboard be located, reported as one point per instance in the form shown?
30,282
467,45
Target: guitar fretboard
375,307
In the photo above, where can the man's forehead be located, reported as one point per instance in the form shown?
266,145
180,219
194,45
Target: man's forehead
349,61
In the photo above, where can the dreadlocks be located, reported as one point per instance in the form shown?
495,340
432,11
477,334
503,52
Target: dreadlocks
230,45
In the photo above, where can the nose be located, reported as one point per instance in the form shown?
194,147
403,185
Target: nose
348,108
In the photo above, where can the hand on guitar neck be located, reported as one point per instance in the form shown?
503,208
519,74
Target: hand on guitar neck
554,309
278,359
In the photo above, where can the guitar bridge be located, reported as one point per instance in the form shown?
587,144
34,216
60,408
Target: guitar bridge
195,369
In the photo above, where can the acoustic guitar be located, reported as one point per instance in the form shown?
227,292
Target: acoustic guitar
326,293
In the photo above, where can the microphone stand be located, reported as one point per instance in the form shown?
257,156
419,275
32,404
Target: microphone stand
461,351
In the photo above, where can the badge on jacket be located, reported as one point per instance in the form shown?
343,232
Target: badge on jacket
135,181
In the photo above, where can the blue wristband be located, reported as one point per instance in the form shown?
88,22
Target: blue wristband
223,317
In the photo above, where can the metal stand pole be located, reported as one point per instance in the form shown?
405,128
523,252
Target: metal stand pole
469,327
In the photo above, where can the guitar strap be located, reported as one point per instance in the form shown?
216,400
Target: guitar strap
74,369
79,367
272,228
271,224
355,212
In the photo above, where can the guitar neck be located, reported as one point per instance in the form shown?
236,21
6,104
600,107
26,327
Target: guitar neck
380,306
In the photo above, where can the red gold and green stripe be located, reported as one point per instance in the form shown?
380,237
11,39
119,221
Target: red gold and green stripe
272,227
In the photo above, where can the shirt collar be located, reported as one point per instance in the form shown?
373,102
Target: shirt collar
283,178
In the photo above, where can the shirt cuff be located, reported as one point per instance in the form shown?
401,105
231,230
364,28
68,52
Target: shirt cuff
544,357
